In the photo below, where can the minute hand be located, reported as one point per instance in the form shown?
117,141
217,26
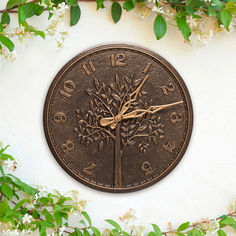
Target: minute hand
152,109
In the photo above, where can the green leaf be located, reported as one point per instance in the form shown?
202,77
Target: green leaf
116,11
77,232
38,10
183,226
23,186
128,5
180,234
114,232
5,20
151,234
3,207
196,232
7,43
72,2
5,179
21,15
6,157
220,232
189,233
31,9
195,3
95,231
86,233
183,26
227,221
157,230
35,214
218,3
75,13
190,10
100,4
39,33
2,171
13,3
85,214
226,18
1,29
159,27
211,11
125,233
58,218
19,204
114,224
31,29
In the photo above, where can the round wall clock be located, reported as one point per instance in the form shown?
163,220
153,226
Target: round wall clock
118,118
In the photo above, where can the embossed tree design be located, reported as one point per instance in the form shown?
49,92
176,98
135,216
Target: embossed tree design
107,100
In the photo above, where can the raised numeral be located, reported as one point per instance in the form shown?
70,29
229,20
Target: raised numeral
176,117
147,168
169,88
91,68
147,67
68,146
169,147
118,59
68,88
59,118
88,170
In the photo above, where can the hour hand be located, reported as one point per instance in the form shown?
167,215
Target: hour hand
107,121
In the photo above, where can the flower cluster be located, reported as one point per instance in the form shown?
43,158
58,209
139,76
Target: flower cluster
55,28
202,26
12,165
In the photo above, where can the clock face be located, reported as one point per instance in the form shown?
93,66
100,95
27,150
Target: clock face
118,118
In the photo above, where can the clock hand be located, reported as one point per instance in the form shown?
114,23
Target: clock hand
152,109
132,97
112,121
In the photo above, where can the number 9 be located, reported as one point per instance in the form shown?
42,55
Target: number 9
59,118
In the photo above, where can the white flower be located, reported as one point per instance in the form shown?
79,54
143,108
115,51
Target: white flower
9,56
52,234
213,226
192,22
27,219
43,192
29,206
12,232
158,9
56,25
20,30
61,230
12,164
60,10
200,38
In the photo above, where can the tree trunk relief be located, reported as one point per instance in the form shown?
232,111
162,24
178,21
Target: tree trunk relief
117,168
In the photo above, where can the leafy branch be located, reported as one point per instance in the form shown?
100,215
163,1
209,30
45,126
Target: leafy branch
189,16
26,209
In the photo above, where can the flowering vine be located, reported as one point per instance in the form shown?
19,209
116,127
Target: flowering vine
25,209
198,20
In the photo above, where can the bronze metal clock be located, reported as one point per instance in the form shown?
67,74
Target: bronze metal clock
118,118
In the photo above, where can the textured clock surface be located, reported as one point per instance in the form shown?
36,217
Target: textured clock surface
118,118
